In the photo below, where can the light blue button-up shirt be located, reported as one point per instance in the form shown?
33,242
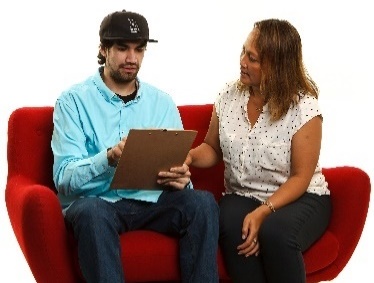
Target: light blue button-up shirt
88,118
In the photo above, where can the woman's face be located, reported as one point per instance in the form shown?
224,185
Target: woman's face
250,66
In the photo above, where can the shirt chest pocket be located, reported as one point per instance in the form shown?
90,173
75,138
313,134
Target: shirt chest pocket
274,156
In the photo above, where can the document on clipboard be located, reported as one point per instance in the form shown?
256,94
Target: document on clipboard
146,153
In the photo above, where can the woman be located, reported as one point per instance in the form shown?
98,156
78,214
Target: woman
267,128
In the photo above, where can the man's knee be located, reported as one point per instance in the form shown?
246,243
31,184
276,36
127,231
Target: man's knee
87,209
205,201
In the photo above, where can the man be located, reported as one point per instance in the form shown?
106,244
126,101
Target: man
91,122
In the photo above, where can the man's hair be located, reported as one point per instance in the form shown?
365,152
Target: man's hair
107,44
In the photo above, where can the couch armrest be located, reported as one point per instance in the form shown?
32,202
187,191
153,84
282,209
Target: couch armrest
350,194
36,217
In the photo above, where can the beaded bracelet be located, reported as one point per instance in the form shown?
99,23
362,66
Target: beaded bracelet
269,205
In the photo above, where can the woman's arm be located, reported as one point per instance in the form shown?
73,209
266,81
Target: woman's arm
305,151
208,153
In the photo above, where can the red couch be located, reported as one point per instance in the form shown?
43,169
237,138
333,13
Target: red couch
50,251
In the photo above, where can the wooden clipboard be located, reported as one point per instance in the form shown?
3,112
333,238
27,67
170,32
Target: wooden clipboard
146,153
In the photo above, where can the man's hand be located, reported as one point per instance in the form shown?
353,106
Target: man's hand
176,177
115,152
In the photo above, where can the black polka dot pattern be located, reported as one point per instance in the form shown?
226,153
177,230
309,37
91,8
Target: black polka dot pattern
257,157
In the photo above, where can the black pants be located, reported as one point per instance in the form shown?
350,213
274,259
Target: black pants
283,236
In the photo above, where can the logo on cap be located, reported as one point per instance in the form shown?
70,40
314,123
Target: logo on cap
134,28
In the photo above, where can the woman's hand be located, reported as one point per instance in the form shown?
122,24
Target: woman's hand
188,160
176,177
251,225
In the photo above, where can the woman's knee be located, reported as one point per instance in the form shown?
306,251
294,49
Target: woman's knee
276,237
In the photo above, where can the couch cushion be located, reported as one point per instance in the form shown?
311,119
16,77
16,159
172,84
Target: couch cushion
324,252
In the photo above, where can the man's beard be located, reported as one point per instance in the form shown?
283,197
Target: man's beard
119,78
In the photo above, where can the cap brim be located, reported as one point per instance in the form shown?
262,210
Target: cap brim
127,39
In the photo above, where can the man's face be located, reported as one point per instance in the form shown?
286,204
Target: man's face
123,60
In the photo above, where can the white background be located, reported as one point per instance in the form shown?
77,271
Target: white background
48,45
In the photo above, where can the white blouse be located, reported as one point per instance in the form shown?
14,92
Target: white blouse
258,159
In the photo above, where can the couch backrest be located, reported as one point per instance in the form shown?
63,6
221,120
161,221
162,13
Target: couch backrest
29,150
29,145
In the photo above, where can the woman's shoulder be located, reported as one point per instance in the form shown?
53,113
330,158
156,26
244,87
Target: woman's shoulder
229,89
229,86
306,108
307,101
307,98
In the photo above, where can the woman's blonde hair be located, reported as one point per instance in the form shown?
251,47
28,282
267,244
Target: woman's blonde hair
284,77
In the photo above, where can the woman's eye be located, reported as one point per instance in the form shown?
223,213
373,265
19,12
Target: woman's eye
252,59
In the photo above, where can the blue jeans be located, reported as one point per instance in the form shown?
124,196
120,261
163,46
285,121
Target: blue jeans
190,215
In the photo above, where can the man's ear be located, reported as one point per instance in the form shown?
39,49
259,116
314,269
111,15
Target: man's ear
103,51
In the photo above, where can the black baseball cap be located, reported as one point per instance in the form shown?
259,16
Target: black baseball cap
124,25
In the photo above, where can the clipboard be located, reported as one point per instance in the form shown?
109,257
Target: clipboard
146,153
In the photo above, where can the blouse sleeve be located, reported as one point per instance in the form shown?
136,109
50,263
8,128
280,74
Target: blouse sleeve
308,108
